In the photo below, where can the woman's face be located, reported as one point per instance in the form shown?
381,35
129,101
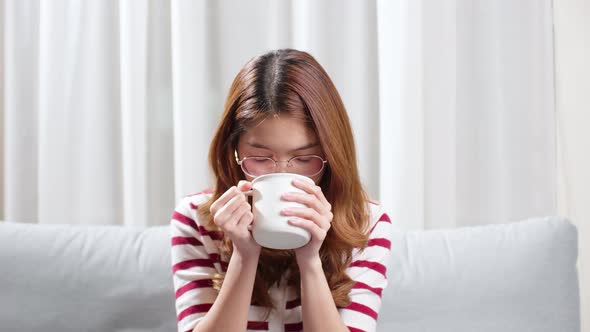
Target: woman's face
280,138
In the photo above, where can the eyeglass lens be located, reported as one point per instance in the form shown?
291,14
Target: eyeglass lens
304,165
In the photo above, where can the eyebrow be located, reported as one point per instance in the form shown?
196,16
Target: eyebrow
304,147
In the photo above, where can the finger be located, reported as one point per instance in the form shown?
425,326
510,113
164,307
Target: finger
244,185
309,226
223,199
228,209
239,213
246,218
307,213
312,189
228,222
306,199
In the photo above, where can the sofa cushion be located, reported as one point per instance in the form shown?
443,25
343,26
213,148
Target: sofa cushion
85,278
504,277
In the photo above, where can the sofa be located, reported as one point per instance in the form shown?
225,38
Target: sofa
519,276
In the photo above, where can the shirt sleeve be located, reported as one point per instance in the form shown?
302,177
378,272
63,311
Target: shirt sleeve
193,266
368,271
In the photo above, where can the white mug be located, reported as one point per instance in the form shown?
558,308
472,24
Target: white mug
270,229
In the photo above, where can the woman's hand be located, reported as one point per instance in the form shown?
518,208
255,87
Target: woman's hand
233,215
316,218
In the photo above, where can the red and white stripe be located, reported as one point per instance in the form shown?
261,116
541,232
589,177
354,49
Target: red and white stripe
195,259
369,271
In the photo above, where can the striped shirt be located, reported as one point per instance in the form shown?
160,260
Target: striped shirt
195,260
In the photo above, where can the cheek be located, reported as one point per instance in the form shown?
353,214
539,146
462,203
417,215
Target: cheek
318,178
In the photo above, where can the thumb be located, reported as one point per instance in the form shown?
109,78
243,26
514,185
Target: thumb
244,185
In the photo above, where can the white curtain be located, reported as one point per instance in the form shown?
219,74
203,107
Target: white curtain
110,106
467,102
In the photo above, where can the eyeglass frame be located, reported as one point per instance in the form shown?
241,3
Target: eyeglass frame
241,161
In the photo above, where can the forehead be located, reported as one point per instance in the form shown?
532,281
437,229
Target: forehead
279,133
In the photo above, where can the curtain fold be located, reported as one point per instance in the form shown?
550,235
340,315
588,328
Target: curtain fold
78,108
2,109
109,107
146,111
20,130
472,113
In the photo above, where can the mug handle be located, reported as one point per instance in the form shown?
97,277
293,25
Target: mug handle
249,193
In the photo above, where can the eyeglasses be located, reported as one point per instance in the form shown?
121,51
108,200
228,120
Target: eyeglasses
308,165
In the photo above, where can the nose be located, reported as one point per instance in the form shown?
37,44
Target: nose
282,167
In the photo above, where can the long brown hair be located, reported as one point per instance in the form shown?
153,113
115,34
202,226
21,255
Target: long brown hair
293,82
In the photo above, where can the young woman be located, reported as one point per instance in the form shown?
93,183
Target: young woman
282,114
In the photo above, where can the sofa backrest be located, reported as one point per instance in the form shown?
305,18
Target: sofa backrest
518,276
85,278
510,277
